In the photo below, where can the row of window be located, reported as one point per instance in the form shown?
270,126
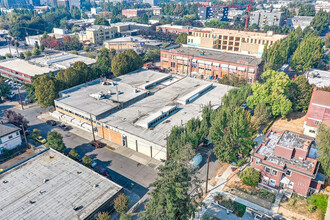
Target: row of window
272,171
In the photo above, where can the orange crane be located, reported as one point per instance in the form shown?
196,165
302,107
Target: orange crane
234,6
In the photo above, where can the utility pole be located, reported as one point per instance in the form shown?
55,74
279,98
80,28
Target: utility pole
207,172
19,95
90,115
25,136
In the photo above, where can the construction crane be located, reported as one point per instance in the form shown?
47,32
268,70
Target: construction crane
234,6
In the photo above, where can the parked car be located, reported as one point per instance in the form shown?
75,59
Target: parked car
67,151
196,161
101,170
40,139
64,127
51,122
97,144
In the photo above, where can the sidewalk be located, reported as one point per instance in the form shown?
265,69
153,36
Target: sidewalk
124,151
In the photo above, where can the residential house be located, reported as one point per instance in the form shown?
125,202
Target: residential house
318,112
287,161
9,137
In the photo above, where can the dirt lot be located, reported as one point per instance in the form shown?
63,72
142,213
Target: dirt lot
298,211
294,122
220,171
256,195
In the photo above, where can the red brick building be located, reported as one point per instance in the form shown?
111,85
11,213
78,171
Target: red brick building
210,63
287,161
318,112
131,13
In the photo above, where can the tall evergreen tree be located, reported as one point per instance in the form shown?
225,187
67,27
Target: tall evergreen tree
173,191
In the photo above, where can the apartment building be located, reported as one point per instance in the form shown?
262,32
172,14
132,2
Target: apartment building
232,40
9,137
318,112
98,33
287,161
209,63
263,18
213,12
126,43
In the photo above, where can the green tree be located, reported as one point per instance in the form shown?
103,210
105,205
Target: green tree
36,51
87,48
55,141
126,217
262,113
46,90
308,54
250,176
21,55
103,216
306,10
231,133
300,93
237,96
30,90
274,93
87,161
121,203
182,38
135,60
35,133
4,89
321,21
171,197
152,55
71,43
120,64
73,154
323,137
27,54
101,21
103,62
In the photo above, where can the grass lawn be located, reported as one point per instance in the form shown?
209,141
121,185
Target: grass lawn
298,207
236,207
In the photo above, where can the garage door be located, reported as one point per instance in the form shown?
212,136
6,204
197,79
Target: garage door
116,137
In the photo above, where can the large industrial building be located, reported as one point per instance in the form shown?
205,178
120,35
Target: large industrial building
210,63
50,185
139,109
26,69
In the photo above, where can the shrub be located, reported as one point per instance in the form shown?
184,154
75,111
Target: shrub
292,201
92,56
320,201
103,216
73,154
312,208
74,52
250,176
87,161
240,162
126,217
121,203
86,48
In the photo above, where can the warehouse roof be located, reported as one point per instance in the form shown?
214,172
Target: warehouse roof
49,186
25,67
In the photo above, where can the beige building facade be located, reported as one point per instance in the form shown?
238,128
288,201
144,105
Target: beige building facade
97,34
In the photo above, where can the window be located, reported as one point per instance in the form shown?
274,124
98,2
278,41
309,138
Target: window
291,185
312,131
172,64
10,136
316,122
274,172
272,183
265,180
249,79
17,133
267,169
288,173
257,161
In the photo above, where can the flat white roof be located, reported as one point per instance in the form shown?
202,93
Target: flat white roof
25,67
69,184
320,78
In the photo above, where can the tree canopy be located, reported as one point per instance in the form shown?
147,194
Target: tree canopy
55,141
231,133
182,38
323,137
171,196
274,93
46,90
4,89
101,21
15,118
126,62
300,93
308,54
